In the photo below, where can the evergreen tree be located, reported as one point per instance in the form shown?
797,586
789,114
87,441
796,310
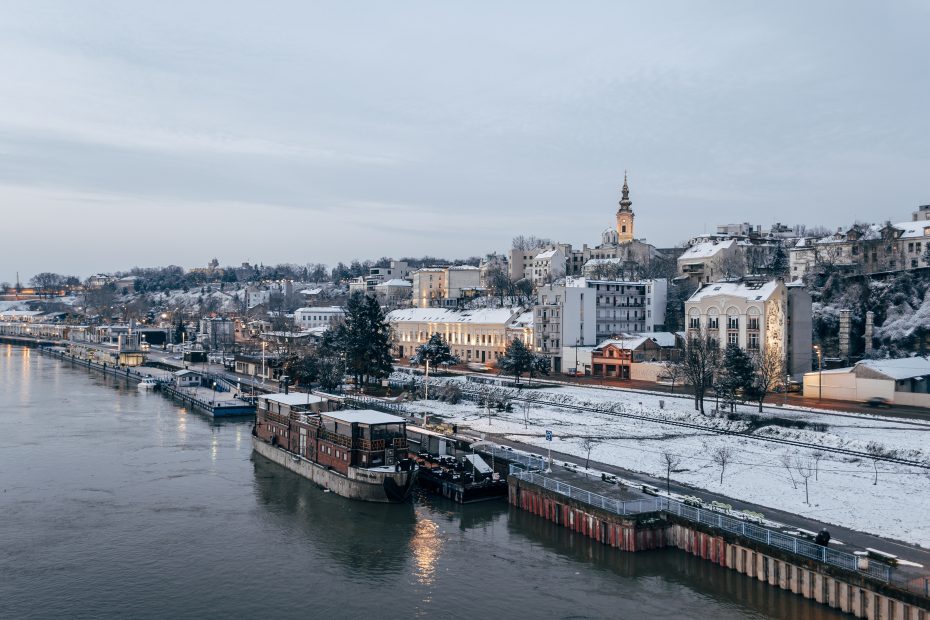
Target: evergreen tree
365,339
737,374
779,264
517,360
436,352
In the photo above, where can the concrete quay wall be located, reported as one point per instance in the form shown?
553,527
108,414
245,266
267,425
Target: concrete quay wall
827,585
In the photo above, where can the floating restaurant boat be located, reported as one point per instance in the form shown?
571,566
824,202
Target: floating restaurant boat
359,454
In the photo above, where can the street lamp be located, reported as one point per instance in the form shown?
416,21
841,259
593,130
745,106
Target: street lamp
263,361
819,351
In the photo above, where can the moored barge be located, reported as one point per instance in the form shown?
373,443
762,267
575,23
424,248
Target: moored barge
359,454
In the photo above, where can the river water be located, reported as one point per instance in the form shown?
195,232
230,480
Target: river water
116,502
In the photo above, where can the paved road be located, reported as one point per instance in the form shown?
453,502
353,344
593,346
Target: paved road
853,539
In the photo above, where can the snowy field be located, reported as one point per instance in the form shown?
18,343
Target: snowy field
842,488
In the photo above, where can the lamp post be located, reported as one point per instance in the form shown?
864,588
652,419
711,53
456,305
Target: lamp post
263,361
819,351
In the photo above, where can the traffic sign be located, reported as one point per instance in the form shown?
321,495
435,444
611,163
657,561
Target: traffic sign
548,435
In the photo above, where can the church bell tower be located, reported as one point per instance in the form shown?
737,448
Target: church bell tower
625,215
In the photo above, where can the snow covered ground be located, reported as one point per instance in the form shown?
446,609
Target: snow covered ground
842,489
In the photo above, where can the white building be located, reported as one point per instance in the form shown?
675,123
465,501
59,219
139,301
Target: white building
548,266
903,381
636,306
564,322
395,291
478,336
521,261
321,316
255,296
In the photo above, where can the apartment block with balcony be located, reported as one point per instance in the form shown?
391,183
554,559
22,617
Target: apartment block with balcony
563,322
636,306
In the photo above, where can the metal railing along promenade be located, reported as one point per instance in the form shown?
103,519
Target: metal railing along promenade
521,459
773,538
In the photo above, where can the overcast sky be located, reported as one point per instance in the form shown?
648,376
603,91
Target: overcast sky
152,133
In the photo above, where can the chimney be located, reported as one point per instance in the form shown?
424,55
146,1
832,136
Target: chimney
869,320
844,333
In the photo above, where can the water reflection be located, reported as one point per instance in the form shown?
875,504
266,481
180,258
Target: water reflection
426,545
365,539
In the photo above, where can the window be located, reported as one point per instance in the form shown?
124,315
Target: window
753,322
752,341
732,322
713,322
695,323
733,338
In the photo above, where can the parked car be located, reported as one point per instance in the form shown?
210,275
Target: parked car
877,401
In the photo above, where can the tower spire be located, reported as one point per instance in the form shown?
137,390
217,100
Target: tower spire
625,202
625,213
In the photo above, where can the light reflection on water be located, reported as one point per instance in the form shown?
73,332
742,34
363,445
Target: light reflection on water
426,545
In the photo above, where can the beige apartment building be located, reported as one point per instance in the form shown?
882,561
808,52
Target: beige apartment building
445,287
757,316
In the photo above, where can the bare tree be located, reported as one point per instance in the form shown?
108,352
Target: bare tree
805,469
674,372
587,444
528,243
722,456
670,462
876,451
786,461
769,368
817,455
700,360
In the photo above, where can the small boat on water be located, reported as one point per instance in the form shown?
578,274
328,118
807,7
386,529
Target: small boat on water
148,383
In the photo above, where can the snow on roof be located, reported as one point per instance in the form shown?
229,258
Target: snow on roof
524,320
395,282
321,309
293,398
705,249
311,291
913,229
364,416
463,268
750,291
445,315
899,369
627,344
604,261
663,339
545,255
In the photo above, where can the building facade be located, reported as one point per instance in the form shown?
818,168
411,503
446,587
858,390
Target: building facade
320,316
445,287
754,315
475,336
